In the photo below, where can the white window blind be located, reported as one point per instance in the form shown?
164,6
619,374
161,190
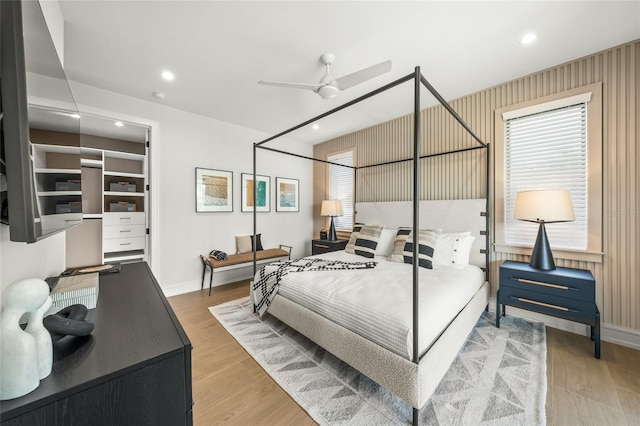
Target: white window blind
548,150
341,187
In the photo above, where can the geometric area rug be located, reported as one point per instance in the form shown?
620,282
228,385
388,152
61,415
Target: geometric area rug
498,377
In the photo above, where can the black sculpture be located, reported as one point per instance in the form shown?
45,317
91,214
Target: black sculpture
70,321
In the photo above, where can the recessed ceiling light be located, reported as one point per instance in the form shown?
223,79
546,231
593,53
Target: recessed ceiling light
168,75
528,39
159,95
119,123
315,127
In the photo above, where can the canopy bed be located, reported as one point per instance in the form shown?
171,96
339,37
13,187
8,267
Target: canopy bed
410,357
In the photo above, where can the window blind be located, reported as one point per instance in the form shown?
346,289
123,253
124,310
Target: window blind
341,187
548,150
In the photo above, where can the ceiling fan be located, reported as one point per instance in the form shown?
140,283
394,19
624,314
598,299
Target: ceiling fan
328,86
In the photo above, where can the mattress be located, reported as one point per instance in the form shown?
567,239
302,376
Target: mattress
377,303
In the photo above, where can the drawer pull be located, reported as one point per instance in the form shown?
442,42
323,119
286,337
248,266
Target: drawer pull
126,230
561,287
560,308
125,218
125,244
321,246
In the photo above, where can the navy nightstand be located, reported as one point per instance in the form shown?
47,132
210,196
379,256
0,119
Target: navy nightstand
562,292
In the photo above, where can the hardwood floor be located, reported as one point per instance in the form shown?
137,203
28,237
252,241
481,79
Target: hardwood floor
230,388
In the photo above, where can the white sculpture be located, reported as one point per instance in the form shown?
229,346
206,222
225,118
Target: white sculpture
19,362
44,345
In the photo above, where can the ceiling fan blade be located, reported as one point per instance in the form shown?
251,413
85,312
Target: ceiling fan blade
313,87
361,76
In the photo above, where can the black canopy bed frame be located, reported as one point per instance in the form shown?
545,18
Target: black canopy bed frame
418,80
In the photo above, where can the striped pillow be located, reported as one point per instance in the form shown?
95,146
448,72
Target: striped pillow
351,244
367,240
398,245
426,244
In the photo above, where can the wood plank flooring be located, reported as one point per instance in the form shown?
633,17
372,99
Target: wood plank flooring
229,388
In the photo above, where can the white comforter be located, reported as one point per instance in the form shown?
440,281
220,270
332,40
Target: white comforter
377,303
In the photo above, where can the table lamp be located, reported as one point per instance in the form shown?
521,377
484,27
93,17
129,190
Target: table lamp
544,206
331,208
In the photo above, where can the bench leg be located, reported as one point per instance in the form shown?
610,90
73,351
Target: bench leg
210,281
204,270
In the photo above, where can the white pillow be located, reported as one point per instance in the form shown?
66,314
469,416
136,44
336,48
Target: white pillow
243,244
385,242
453,249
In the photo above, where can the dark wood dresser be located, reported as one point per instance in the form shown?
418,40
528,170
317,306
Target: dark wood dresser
134,369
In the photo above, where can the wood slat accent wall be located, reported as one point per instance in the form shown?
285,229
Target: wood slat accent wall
462,175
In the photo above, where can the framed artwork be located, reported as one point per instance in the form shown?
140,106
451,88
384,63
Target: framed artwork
287,195
263,194
214,190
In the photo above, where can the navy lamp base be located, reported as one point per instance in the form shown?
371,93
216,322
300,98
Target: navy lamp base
332,231
541,257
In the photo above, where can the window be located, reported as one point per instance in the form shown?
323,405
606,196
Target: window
341,187
551,143
547,150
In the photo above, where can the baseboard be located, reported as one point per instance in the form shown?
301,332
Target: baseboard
219,278
608,332
181,288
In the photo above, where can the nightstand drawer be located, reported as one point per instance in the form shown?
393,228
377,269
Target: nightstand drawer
326,246
565,307
573,284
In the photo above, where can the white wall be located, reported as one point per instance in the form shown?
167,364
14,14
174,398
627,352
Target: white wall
18,261
188,141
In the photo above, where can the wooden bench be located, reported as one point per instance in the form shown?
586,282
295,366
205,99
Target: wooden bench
240,260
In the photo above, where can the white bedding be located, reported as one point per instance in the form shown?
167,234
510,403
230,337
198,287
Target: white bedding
377,303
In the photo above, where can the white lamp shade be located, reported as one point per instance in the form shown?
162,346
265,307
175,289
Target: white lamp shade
331,208
544,206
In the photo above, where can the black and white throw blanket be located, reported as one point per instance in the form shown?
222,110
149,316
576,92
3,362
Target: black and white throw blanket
267,280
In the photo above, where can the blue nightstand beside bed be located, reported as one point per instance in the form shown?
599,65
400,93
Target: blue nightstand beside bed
561,292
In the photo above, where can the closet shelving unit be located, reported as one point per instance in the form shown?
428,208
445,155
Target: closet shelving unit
106,235
57,176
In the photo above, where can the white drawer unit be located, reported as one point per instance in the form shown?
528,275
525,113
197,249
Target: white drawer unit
123,231
124,218
124,236
123,244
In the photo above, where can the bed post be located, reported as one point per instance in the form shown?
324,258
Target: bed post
355,194
255,221
487,228
416,223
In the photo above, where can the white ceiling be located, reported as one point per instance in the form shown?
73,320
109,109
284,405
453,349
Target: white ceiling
220,50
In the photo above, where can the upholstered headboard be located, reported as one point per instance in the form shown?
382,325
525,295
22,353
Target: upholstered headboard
449,215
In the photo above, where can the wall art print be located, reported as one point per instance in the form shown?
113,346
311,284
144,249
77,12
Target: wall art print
214,190
287,195
263,193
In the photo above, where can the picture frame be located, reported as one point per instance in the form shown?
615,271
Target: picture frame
263,190
214,190
287,195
